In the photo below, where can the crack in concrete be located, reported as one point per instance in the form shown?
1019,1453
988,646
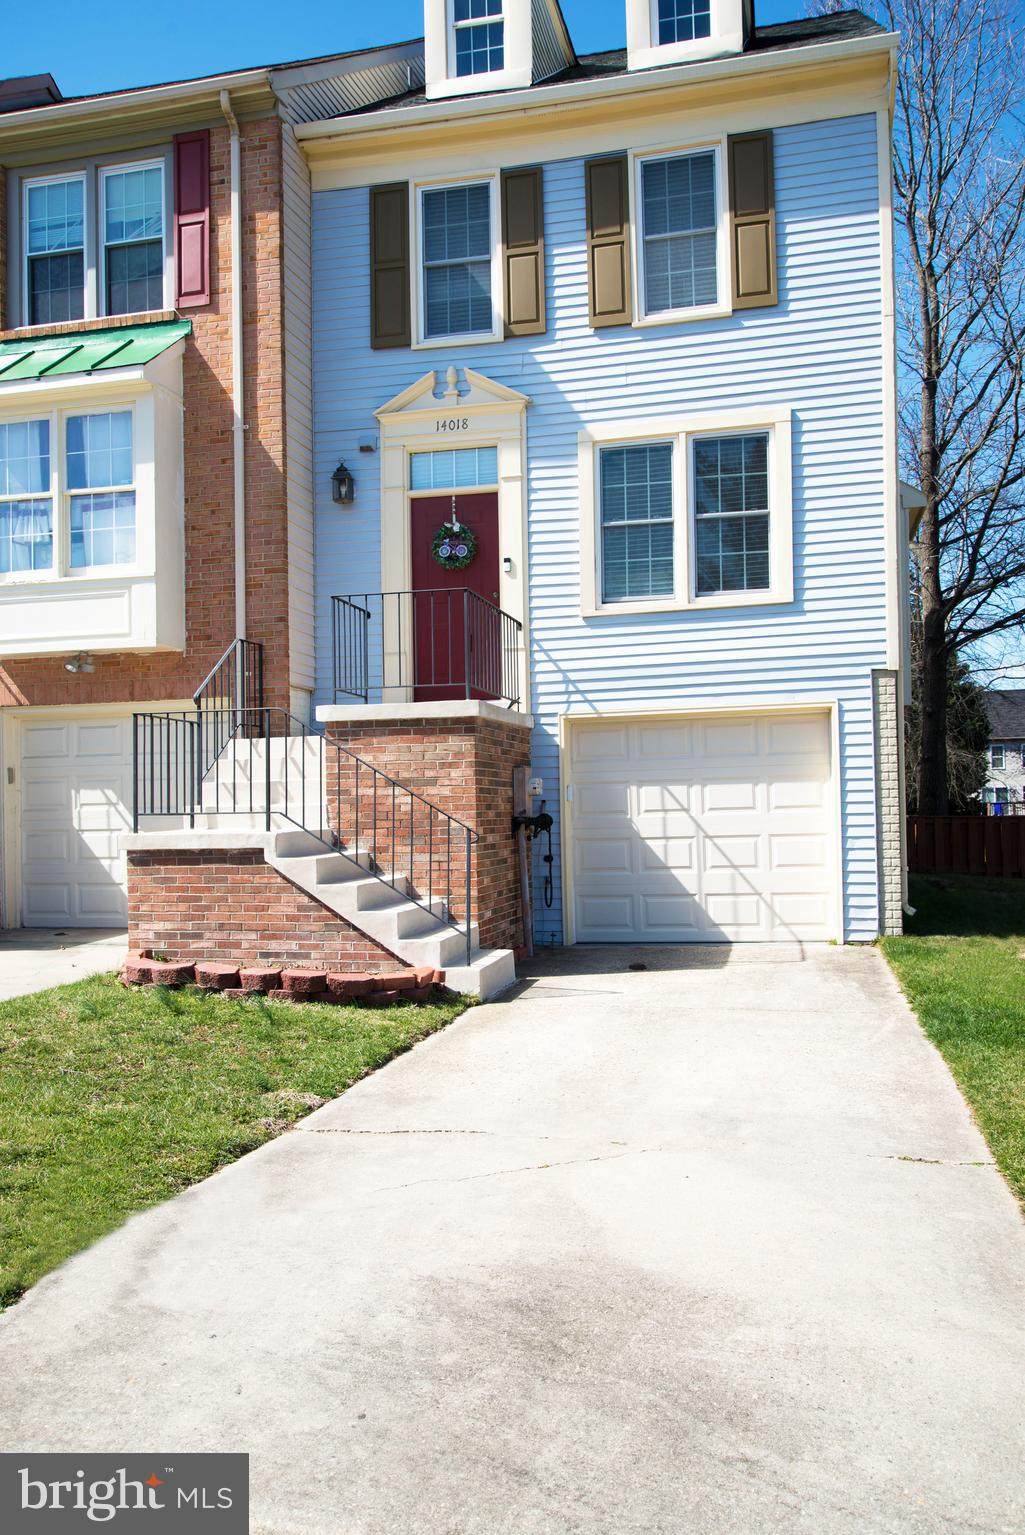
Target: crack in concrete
929,1161
533,1167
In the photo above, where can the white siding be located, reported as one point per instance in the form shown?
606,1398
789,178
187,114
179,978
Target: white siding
298,409
820,351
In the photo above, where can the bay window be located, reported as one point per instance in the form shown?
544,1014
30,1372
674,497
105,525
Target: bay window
26,506
82,463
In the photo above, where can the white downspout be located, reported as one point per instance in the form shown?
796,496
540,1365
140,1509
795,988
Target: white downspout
237,380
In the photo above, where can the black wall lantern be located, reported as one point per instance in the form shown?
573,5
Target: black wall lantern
343,486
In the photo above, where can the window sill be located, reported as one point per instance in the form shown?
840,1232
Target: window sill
474,339
683,316
718,602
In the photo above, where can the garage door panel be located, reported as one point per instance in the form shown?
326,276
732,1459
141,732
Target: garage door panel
45,796
712,830
105,741
602,745
45,905
46,846
44,743
669,853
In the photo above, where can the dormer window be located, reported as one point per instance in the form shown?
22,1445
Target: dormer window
478,32
681,21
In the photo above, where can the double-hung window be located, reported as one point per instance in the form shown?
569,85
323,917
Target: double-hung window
94,242
67,493
731,513
680,21
457,256
26,504
133,238
996,757
54,242
636,498
478,31
679,216
700,516
100,489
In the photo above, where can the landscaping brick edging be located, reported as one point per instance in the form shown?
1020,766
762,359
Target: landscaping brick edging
287,985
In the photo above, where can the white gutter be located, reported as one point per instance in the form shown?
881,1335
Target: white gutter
139,96
237,380
537,97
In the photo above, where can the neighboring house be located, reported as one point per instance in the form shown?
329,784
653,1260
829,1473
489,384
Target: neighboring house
602,483
1005,778
155,491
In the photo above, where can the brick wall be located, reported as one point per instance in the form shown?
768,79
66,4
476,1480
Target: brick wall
232,905
209,474
462,765
889,800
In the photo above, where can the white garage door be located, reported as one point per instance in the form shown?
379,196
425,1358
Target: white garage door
703,830
76,788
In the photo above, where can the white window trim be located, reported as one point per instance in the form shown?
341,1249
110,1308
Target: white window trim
91,172
682,430
104,173
61,573
644,51
42,181
474,338
724,302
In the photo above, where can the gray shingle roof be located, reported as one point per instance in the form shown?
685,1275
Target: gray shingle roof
1006,710
802,33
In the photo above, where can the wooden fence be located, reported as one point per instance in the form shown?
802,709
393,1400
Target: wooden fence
966,844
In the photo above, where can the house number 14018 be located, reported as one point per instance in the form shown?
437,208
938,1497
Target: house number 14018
452,424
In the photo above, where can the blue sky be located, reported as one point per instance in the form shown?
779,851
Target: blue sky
113,43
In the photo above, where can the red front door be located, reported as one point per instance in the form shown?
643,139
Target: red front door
457,637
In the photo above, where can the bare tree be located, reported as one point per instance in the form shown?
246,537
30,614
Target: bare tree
959,190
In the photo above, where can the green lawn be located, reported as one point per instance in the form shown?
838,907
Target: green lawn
112,1100
962,966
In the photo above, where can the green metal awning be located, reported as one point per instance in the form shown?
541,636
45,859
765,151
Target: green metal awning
88,351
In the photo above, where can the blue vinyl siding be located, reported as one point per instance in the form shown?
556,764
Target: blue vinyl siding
819,350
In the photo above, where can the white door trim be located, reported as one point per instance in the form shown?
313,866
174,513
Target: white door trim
828,705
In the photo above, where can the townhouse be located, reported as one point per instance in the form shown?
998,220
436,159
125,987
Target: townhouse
545,451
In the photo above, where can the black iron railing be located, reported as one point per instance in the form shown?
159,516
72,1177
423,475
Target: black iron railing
226,698
424,646
272,765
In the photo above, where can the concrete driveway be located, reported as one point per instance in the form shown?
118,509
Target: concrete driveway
712,1246
36,958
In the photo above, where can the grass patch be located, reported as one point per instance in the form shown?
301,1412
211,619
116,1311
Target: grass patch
112,1100
961,963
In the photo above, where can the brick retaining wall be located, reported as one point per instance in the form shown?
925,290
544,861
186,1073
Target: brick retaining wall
231,905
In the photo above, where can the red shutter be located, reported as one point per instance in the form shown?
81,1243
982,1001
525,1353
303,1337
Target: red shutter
192,217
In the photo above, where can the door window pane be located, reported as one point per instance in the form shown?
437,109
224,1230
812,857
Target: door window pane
731,513
681,20
679,213
103,529
457,260
453,469
133,233
55,251
636,495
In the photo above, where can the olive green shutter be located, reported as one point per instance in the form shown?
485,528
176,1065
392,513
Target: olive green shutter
608,241
389,265
752,221
523,252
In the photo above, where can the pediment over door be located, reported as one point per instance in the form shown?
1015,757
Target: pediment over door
457,391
